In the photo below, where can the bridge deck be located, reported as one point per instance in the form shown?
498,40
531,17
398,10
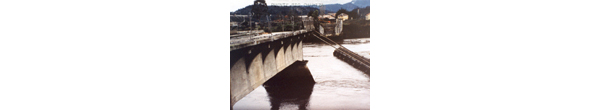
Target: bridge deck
250,40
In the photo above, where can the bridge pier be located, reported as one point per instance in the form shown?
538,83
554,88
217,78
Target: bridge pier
251,66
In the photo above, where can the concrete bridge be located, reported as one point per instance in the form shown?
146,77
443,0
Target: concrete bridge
254,59
252,64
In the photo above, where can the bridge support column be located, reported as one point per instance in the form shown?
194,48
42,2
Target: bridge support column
270,65
280,59
289,56
255,72
238,82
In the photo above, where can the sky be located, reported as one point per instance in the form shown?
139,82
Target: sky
237,4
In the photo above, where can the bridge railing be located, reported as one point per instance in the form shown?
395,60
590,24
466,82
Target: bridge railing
253,38
241,42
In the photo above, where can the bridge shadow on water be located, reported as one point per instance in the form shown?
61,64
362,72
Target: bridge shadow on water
292,86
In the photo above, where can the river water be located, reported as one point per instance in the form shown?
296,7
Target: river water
324,83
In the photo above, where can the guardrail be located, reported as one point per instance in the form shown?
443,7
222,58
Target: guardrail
253,38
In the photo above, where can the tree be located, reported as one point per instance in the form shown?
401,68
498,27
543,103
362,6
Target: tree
315,16
259,9
340,11
353,13
292,14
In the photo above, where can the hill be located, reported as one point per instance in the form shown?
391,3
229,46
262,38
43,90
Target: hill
348,6
303,10
361,3
336,7
284,10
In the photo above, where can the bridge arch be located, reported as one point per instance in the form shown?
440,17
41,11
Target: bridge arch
289,58
293,51
280,59
269,64
255,71
239,83
301,50
297,53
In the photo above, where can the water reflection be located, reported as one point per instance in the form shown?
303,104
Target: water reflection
292,86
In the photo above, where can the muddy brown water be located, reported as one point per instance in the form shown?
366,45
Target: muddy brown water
324,83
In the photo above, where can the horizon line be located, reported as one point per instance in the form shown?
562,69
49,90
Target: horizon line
296,5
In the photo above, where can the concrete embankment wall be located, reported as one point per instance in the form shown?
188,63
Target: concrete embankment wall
359,62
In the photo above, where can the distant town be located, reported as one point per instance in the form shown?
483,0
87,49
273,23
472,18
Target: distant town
261,18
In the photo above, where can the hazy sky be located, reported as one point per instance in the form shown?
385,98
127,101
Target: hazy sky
237,4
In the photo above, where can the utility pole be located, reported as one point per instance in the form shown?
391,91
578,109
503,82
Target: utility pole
293,22
283,21
250,23
269,22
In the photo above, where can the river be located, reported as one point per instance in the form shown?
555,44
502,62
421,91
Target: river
324,83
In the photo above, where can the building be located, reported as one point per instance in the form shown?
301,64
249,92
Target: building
327,16
343,16
233,24
304,17
368,16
